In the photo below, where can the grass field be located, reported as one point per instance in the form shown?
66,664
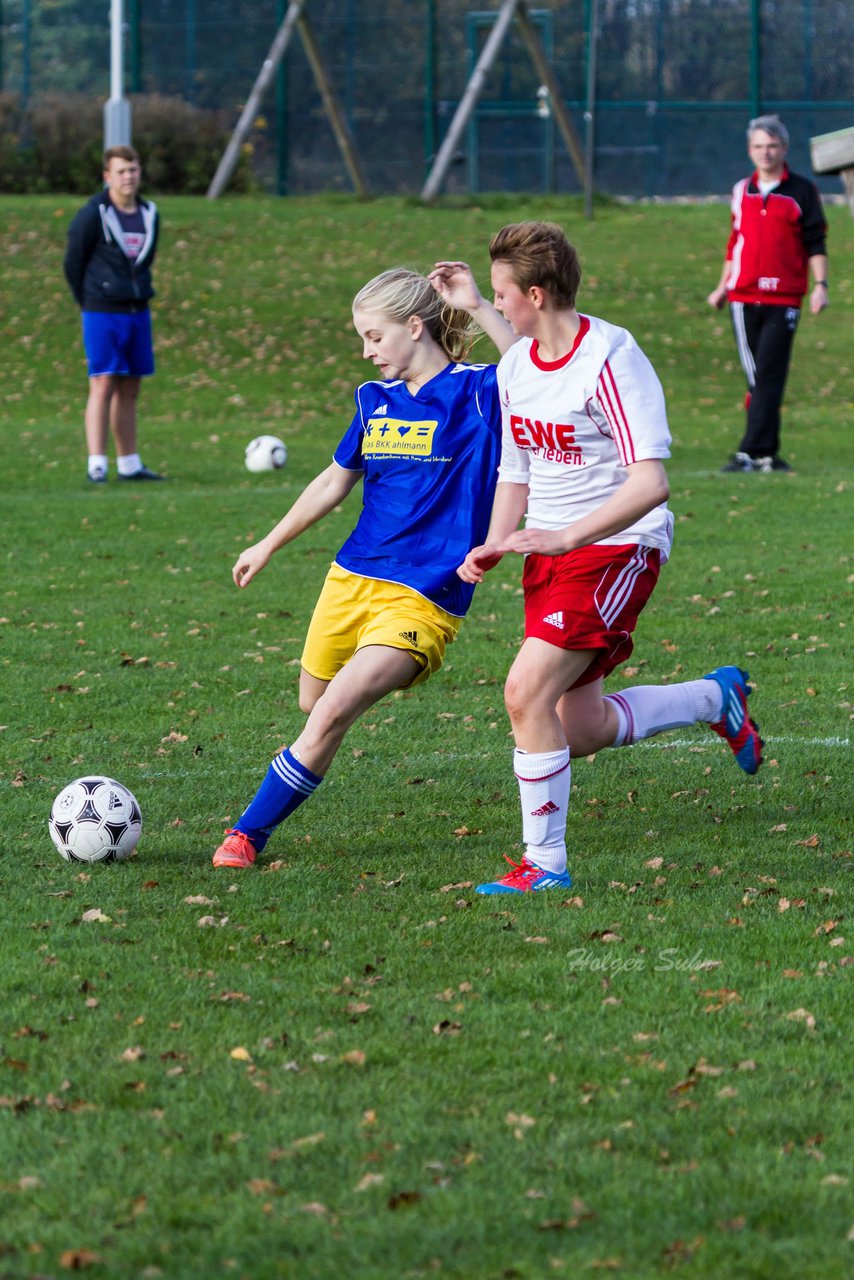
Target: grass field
346,1063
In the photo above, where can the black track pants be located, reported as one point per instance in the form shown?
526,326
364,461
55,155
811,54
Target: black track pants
764,337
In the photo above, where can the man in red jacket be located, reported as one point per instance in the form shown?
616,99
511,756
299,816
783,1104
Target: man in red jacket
778,231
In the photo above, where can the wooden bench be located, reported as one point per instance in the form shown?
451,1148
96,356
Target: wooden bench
834,153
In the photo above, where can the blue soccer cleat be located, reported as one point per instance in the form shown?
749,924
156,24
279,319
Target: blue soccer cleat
526,878
735,725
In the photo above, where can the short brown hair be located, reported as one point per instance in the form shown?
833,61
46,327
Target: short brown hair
538,253
119,153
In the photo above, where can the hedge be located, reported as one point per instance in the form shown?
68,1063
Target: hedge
55,143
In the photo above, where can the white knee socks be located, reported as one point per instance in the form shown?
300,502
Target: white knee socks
544,779
645,710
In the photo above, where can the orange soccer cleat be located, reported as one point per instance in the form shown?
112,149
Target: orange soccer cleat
236,850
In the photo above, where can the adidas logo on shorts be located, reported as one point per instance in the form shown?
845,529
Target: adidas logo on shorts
411,636
555,619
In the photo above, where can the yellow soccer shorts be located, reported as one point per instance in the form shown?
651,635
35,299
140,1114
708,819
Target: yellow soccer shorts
353,612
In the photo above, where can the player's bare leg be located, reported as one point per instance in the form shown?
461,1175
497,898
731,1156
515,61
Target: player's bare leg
536,682
123,426
588,719
96,422
310,690
297,771
125,393
371,674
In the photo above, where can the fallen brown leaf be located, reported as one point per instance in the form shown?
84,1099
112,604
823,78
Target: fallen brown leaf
369,1180
78,1259
95,915
802,1015
403,1199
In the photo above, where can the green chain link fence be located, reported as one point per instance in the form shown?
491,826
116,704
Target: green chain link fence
676,82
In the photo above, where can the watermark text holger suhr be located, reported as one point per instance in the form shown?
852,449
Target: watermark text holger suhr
667,960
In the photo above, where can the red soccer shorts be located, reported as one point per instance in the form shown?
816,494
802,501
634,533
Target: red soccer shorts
590,599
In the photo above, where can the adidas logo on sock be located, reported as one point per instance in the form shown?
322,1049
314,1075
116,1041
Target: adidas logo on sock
555,619
411,636
547,808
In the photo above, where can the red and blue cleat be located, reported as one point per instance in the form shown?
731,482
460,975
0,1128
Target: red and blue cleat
526,878
735,725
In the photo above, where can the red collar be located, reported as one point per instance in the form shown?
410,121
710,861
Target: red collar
754,181
549,366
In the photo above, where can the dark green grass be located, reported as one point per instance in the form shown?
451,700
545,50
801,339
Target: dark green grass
651,1074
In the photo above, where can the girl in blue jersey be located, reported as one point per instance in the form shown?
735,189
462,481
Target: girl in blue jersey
425,442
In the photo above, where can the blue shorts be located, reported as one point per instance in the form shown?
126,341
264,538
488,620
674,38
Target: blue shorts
119,343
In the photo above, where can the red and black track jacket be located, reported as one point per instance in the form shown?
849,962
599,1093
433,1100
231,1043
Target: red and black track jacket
772,239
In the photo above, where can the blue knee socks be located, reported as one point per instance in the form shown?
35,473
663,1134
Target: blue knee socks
283,790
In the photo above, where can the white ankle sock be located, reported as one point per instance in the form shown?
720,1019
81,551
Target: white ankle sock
97,462
645,710
128,464
544,780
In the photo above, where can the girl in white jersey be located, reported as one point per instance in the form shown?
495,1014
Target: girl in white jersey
584,437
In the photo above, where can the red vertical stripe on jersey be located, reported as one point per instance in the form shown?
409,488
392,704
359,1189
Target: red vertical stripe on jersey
609,398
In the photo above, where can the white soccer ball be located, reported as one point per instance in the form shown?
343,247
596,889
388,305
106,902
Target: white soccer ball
266,453
95,819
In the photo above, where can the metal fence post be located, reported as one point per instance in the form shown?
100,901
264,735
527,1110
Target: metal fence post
190,50
282,158
755,59
25,52
592,8
117,115
430,131
135,37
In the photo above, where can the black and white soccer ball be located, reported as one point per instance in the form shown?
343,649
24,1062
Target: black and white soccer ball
266,453
95,819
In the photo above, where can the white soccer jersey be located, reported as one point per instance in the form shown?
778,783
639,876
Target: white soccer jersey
571,427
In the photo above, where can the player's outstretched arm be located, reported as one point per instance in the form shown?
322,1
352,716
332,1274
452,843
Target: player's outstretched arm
645,487
455,283
315,501
511,501
478,562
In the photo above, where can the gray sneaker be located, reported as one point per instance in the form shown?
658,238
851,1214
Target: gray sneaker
767,465
741,462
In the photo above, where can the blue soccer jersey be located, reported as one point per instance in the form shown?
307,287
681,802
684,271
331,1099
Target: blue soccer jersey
430,466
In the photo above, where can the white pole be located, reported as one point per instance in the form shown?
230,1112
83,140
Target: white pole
117,123
116,49
468,102
590,112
